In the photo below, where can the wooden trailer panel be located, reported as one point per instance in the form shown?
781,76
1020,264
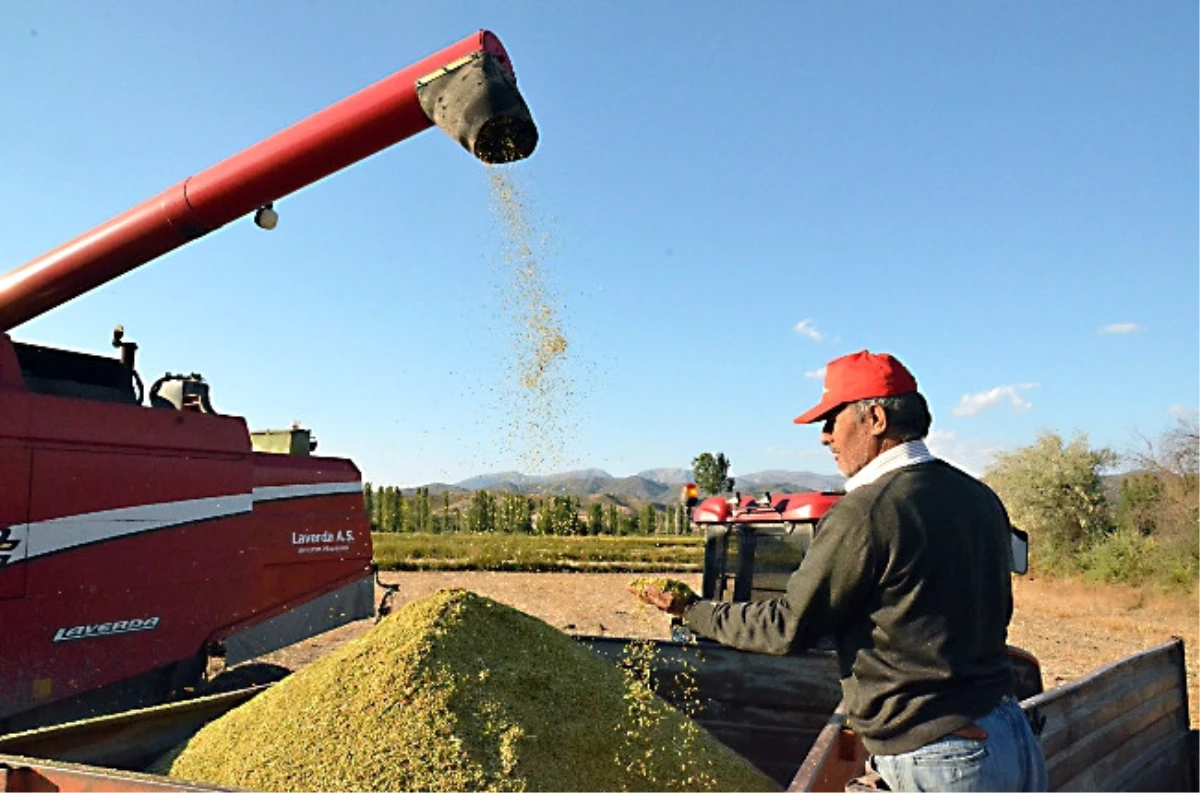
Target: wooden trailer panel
27,775
769,709
1123,727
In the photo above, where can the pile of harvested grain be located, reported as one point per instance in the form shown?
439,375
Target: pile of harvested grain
459,692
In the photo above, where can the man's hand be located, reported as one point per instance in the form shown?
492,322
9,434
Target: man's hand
665,594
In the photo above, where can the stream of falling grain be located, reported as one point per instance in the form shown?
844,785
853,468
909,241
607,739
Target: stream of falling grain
538,389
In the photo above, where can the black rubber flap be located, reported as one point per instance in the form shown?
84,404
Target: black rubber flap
477,103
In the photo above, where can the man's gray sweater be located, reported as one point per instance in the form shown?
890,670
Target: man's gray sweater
910,575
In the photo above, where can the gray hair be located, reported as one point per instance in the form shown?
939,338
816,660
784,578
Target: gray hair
908,415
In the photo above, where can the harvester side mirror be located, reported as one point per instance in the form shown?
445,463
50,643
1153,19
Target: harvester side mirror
1020,551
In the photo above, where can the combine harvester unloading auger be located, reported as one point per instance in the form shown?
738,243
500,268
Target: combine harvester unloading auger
137,541
468,89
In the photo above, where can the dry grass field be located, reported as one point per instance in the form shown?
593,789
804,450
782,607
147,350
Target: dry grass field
1073,628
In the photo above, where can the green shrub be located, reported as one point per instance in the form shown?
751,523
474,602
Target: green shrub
1179,572
1123,557
1129,557
1053,559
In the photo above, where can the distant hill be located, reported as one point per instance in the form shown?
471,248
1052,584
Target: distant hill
516,482
655,485
671,477
776,481
436,489
789,481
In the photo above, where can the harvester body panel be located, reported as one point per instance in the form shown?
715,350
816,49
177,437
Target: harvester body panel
140,537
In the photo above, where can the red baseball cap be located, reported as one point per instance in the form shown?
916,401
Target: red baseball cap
860,375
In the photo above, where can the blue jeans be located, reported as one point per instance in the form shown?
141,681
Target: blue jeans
1010,758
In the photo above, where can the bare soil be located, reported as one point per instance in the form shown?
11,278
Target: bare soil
1072,628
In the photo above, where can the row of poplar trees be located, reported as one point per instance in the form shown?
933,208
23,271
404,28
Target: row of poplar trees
391,510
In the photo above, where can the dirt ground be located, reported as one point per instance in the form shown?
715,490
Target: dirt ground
1072,628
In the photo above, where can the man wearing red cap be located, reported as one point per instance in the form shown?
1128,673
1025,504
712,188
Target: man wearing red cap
909,573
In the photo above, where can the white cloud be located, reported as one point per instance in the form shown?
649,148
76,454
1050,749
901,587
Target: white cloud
1119,327
1182,412
816,374
805,328
971,456
972,404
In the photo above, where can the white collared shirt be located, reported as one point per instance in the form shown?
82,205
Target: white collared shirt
906,454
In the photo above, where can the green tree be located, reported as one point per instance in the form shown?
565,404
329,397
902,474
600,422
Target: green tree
1139,504
410,520
595,519
395,522
394,498
1160,504
448,524
369,504
403,512
481,516
514,514
1054,491
386,508
420,511
541,519
562,515
648,520
612,521
377,510
711,473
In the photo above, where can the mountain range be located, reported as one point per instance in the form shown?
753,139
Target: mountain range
657,485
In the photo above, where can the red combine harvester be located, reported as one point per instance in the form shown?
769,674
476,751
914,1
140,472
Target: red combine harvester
753,545
137,541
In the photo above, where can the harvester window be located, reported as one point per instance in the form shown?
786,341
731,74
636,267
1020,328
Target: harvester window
754,561
75,374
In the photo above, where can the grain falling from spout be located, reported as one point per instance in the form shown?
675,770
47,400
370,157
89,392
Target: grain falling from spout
540,390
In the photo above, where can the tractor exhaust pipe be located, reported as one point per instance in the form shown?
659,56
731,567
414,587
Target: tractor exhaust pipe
468,89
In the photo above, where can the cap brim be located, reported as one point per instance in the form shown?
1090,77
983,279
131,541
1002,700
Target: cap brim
819,412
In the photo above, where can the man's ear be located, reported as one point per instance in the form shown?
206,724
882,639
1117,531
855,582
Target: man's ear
877,421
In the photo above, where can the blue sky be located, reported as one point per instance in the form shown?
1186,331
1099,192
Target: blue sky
1002,194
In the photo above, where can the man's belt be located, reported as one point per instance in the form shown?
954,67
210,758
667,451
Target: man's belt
972,732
